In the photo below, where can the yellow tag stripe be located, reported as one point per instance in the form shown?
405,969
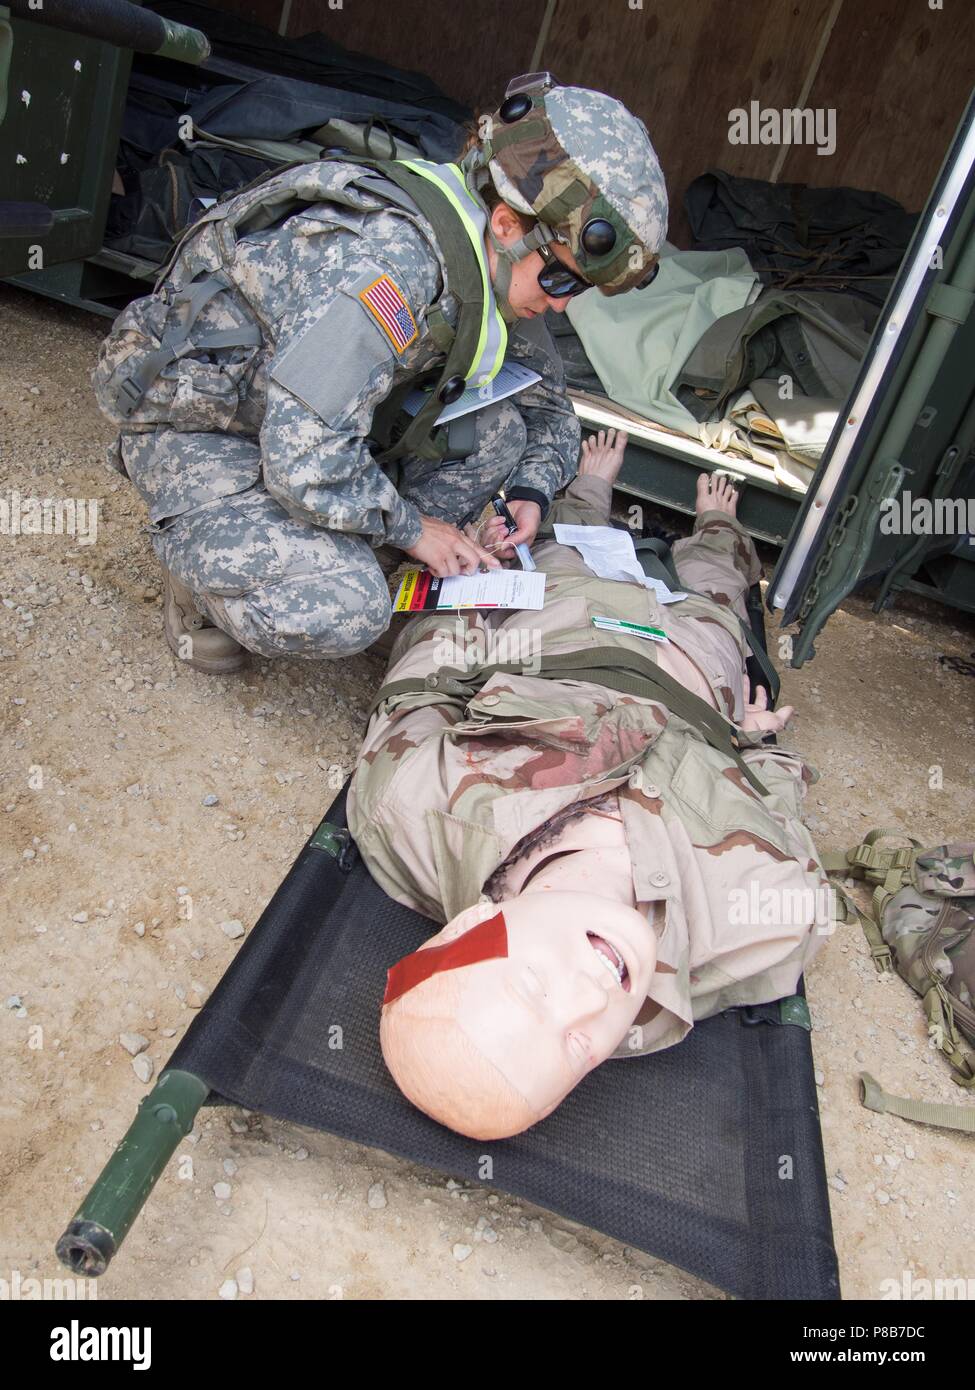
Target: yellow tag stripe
404,598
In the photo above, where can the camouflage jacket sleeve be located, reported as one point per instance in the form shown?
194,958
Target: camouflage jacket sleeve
336,359
551,454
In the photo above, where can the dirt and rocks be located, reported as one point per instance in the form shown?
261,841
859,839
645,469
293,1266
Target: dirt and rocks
147,814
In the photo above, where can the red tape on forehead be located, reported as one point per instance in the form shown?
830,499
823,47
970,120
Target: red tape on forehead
486,941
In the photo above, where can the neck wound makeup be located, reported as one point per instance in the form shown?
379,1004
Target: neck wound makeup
487,941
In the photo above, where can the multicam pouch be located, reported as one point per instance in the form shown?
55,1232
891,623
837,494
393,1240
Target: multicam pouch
923,921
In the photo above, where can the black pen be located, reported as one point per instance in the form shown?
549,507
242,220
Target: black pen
521,550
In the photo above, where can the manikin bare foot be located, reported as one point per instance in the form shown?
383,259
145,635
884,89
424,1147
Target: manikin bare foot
716,493
601,455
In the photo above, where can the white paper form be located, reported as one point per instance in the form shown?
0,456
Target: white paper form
493,589
609,552
420,592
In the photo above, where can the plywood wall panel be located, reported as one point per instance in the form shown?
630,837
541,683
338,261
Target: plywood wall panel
684,67
471,50
896,72
266,12
899,75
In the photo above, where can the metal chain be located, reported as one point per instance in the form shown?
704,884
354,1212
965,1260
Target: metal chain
835,537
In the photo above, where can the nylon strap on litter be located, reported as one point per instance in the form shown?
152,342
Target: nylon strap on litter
617,668
874,1097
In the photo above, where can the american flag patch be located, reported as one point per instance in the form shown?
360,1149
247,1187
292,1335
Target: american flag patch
391,311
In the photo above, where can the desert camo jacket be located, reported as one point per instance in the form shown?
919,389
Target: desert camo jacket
448,786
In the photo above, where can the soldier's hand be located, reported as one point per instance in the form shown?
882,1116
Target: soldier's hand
446,550
528,517
759,716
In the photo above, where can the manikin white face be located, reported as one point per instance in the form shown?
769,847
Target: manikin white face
575,977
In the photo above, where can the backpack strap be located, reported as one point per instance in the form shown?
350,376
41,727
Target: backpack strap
940,1009
421,438
874,1097
888,868
189,304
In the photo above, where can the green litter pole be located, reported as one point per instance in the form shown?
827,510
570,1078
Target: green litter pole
101,1223
121,23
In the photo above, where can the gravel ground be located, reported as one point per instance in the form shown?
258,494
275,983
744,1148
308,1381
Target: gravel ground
129,778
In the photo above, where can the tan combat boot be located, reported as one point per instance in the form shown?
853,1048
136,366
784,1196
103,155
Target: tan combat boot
192,637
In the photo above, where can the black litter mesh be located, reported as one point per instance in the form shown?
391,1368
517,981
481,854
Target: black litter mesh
680,1154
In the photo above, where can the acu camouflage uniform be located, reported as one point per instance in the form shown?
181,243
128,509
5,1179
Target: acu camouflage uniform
264,497
451,786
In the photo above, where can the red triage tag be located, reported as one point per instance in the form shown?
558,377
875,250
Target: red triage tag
486,941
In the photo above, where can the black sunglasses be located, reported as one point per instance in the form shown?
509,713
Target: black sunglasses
560,282
557,279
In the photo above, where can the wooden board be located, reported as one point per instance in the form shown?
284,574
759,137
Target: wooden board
266,12
470,50
683,68
899,75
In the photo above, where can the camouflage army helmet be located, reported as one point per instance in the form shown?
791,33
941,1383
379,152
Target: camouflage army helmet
582,164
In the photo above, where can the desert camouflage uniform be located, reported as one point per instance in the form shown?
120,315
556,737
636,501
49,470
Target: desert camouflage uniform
449,788
264,498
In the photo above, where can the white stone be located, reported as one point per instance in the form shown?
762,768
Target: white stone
143,1067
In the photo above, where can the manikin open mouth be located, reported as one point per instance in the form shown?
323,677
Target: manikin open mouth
612,959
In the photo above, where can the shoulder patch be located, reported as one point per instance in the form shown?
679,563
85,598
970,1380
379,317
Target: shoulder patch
391,312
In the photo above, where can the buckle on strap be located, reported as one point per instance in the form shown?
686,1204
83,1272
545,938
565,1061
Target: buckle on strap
128,396
877,863
882,958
